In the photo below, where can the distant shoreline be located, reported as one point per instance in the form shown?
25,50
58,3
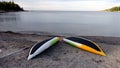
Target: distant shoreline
113,9
1,11
9,6
109,11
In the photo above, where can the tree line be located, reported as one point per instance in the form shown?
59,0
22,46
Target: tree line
116,8
10,6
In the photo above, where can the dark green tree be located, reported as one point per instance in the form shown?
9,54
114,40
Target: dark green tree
10,6
116,8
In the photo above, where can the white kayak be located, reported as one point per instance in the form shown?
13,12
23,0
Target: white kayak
41,46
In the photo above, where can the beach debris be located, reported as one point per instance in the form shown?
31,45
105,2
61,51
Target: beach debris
41,46
12,53
85,44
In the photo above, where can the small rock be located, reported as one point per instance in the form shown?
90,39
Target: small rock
98,61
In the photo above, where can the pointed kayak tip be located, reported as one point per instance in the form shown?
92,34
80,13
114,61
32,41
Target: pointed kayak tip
102,54
29,57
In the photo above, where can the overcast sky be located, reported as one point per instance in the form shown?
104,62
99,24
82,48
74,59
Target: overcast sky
72,5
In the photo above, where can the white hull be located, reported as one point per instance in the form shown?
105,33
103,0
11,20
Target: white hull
43,47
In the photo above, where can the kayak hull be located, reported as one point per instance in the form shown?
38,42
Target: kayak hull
42,46
85,44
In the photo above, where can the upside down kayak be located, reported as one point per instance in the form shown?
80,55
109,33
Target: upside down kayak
41,46
85,44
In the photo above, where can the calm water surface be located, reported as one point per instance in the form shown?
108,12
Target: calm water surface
80,23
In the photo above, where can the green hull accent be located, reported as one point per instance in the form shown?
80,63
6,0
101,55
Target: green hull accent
72,44
54,41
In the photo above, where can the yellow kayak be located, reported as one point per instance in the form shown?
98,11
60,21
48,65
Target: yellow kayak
85,44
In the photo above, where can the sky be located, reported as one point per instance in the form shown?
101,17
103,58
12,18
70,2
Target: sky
67,5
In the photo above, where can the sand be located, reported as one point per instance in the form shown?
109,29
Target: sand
14,49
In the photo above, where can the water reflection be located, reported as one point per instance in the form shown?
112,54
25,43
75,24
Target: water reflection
9,21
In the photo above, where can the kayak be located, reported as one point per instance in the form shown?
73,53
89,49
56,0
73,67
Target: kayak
85,44
42,46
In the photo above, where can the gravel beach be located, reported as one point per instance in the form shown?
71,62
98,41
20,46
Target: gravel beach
14,49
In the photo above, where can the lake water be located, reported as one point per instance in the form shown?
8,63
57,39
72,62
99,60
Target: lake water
88,23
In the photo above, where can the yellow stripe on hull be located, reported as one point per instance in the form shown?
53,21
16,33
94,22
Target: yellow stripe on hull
89,49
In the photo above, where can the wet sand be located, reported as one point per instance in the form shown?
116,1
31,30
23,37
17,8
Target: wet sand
14,49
